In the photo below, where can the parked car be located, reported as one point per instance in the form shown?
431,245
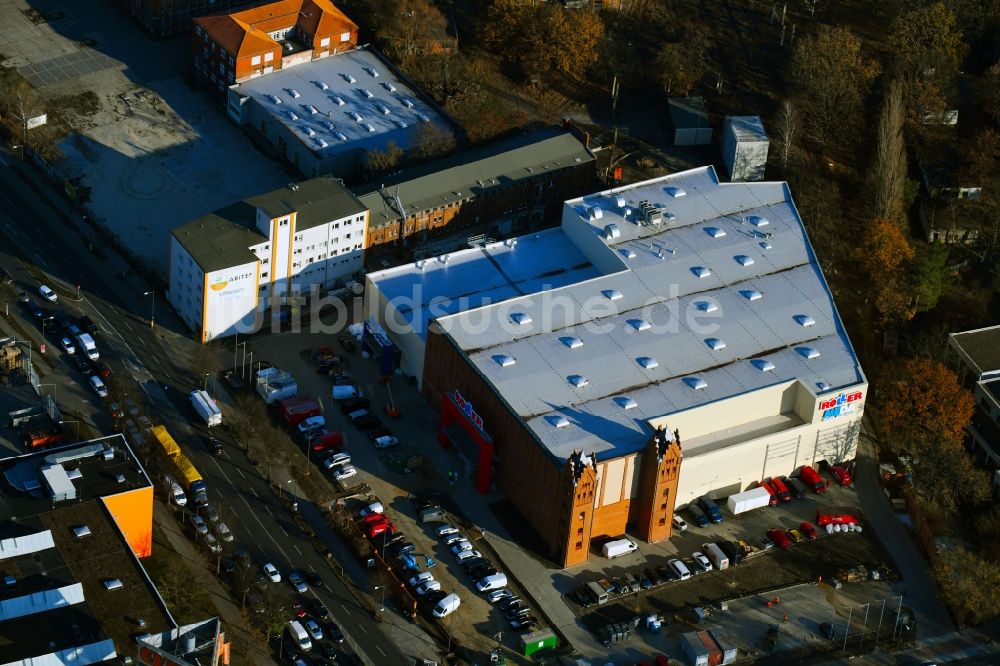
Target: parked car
466,555
212,445
48,294
472,562
445,530
314,630
311,424
398,547
701,561
667,574
679,523
454,537
497,596
211,543
225,534
314,579
683,573
645,582
102,369
99,388
652,576
841,475
809,531
67,345
272,573
461,547
297,582
35,310
336,460
428,586
299,609
385,442
345,472
421,578
353,404
199,525
779,538
334,633
347,342
794,535
523,622
699,517
379,432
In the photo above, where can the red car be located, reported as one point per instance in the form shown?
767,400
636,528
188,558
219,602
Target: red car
327,441
102,370
770,491
809,531
811,478
378,528
841,475
299,609
823,519
781,490
779,538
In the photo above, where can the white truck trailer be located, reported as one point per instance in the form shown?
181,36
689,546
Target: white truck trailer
755,498
206,408
274,384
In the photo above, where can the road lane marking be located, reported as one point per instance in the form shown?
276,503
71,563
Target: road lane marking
362,628
127,325
267,508
241,473
254,492
379,648
295,546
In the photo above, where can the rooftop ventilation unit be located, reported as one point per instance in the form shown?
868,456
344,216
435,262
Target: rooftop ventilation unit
349,78
558,421
357,116
388,86
294,93
383,108
765,245
310,131
372,71
292,115
444,258
419,263
367,93
329,125
408,103
74,473
112,584
579,381
758,221
612,294
697,383
628,253
511,242
647,362
611,231
706,306
743,260
311,109
322,85
594,212
762,364
370,128
639,324
341,136
649,212
275,99
626,403
338,100
571,342
520,318
81,531
823,386
808,352
715,232
423,118
322,143
401,123
751,294
715,344
675,192
619,201
504,361
804,321
701,271
670,217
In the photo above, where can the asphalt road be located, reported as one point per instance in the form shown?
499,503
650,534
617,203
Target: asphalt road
39,237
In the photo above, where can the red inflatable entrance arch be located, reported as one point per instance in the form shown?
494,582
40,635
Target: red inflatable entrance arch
455,408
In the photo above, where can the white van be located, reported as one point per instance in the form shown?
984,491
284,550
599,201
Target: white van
175,492
446,606
619,547
494,582
715,554
299,635
346,392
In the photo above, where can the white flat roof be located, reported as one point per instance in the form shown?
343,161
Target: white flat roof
332,93
724,294
473,278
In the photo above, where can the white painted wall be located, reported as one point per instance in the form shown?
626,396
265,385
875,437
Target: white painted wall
231,296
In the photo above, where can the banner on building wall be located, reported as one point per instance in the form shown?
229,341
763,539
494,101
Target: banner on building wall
842,405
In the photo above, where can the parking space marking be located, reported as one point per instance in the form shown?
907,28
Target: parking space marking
362,628
267,508
240,471
379,648
254,492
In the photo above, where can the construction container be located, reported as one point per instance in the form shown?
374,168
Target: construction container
538,641
726,645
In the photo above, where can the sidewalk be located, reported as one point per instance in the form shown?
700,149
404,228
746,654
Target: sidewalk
233,620
921,590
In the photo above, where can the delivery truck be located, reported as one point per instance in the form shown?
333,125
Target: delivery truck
755,498
619,547
812,479
206,408
184,471
297,409
85,343
715,554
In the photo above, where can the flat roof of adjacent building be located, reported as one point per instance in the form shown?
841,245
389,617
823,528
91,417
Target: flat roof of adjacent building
747,128
980,348
222,239
723,297
344,102
472,173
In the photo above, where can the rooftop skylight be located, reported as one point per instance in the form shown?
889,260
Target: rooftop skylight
743,260
808,352
701,271
804,321
579,381
697,383
762,364
647,362
715,343
751,294
520,318
571,342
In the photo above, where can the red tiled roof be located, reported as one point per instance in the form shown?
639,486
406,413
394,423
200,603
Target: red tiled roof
245,32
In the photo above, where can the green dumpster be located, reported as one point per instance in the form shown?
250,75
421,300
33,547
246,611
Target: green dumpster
537,641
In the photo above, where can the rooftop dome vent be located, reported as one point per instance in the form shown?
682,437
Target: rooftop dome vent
715,344
373,72
628,253
594,212
675,192
558,421
504,361
579,381
612,294
808,352
823,386
611,231
338,100
423,118
349,78
697,383
758,221
520,318
743,260
388,86
292,115
626,403
701,271
341,136
275,99
294,93
311,109
715,232
310,131
408,103
706,306
762,364
805,321
367,93
647,362
571,342
619,201
751,294
370,128
383,108
322,85
639,324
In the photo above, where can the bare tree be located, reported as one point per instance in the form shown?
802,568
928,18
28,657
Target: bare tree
889,172
812,6
787,126
19,103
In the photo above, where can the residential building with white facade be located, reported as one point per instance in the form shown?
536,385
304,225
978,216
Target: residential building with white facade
229,268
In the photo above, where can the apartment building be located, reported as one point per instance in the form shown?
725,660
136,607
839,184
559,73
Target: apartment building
229,268
231,48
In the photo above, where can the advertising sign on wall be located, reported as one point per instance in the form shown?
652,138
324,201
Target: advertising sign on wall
842,405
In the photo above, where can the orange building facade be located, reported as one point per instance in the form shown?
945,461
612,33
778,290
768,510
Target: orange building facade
231,48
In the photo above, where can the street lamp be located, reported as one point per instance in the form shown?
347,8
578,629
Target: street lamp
152,308
207,375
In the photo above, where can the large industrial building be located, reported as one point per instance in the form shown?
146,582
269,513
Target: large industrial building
494,191
77,520
229,268
325,116
672,339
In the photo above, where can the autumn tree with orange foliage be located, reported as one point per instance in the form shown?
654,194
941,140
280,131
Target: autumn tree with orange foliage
885,255
921,406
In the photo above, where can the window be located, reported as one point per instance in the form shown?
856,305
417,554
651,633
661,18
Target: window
325,41
264,274
268,57
345,37
283,223
255,61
